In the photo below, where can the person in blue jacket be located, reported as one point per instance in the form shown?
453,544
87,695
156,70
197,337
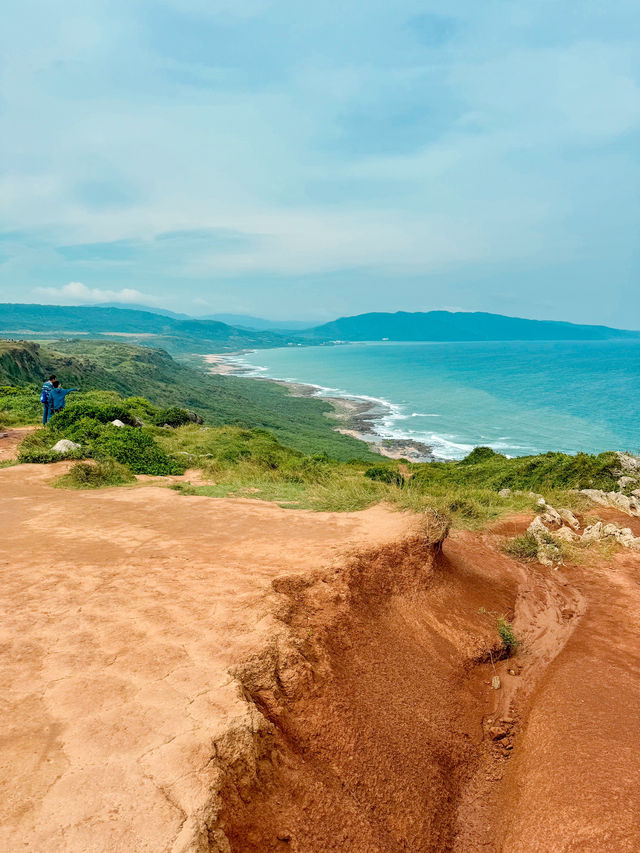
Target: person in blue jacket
45,398
58,397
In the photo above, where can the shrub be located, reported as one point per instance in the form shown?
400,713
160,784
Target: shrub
94,476
523,547
385,475
173,417
507,635
480,454
134,448
85,407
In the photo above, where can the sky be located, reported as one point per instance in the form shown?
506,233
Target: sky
310,160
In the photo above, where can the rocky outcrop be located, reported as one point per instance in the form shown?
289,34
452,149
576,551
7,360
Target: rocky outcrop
616,500
622,535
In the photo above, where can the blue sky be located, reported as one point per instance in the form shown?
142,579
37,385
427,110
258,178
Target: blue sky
300,160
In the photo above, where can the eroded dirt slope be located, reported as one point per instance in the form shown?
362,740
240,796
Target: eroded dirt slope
123,610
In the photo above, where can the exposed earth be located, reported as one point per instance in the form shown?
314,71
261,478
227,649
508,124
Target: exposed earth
183,673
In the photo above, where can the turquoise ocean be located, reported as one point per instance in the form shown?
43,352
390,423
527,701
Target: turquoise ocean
518,397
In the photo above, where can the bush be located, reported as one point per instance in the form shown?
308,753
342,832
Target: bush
385,475
480,454
134,448
94,476
523,547
507,635
173,417
85,407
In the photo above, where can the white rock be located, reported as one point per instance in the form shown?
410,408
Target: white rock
549,555
629,505
569,518
537,529
551,516
505,493
565,534
117,422
593,533
623,482
629,464
65,446
541,502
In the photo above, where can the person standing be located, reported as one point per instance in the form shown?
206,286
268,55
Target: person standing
45,398
58,397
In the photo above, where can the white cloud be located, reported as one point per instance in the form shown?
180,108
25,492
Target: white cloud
77,292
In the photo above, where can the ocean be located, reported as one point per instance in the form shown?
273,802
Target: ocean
518,397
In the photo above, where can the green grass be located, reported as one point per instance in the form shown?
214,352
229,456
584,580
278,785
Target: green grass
523,547
85,475
507,635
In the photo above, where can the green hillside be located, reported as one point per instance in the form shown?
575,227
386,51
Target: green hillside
175,334
301,423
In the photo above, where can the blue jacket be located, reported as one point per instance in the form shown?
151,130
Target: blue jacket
58,397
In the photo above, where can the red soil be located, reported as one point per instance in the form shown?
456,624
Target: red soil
187,674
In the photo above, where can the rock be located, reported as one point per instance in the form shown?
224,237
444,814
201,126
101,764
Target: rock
505,493
565,534
636,493
623,482
138,422
495,682
593,533
551,516
616,500
549,555
628,464
622,535
195,419
117,422
537,529
498,732
541,502
569,518
65,446
534,495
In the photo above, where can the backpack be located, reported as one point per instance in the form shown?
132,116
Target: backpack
44,397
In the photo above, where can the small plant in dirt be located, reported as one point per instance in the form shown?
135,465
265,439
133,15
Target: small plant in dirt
523,547
85,475
507,635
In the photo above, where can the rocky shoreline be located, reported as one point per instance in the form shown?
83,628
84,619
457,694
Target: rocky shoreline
356,416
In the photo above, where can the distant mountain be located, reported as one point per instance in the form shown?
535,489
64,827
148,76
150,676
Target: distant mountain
455,326
245,321
176,335
150,309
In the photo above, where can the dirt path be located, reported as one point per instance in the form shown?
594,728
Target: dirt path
123,610
10,440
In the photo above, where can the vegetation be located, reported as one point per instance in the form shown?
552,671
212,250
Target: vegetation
154,377
507,635
85,475
523,547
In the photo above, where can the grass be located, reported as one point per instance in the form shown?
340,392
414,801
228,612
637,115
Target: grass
523,547
85,475
507,635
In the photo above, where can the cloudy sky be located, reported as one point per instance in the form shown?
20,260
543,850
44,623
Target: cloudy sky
306,160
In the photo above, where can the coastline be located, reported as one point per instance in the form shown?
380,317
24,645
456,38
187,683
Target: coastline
355,416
